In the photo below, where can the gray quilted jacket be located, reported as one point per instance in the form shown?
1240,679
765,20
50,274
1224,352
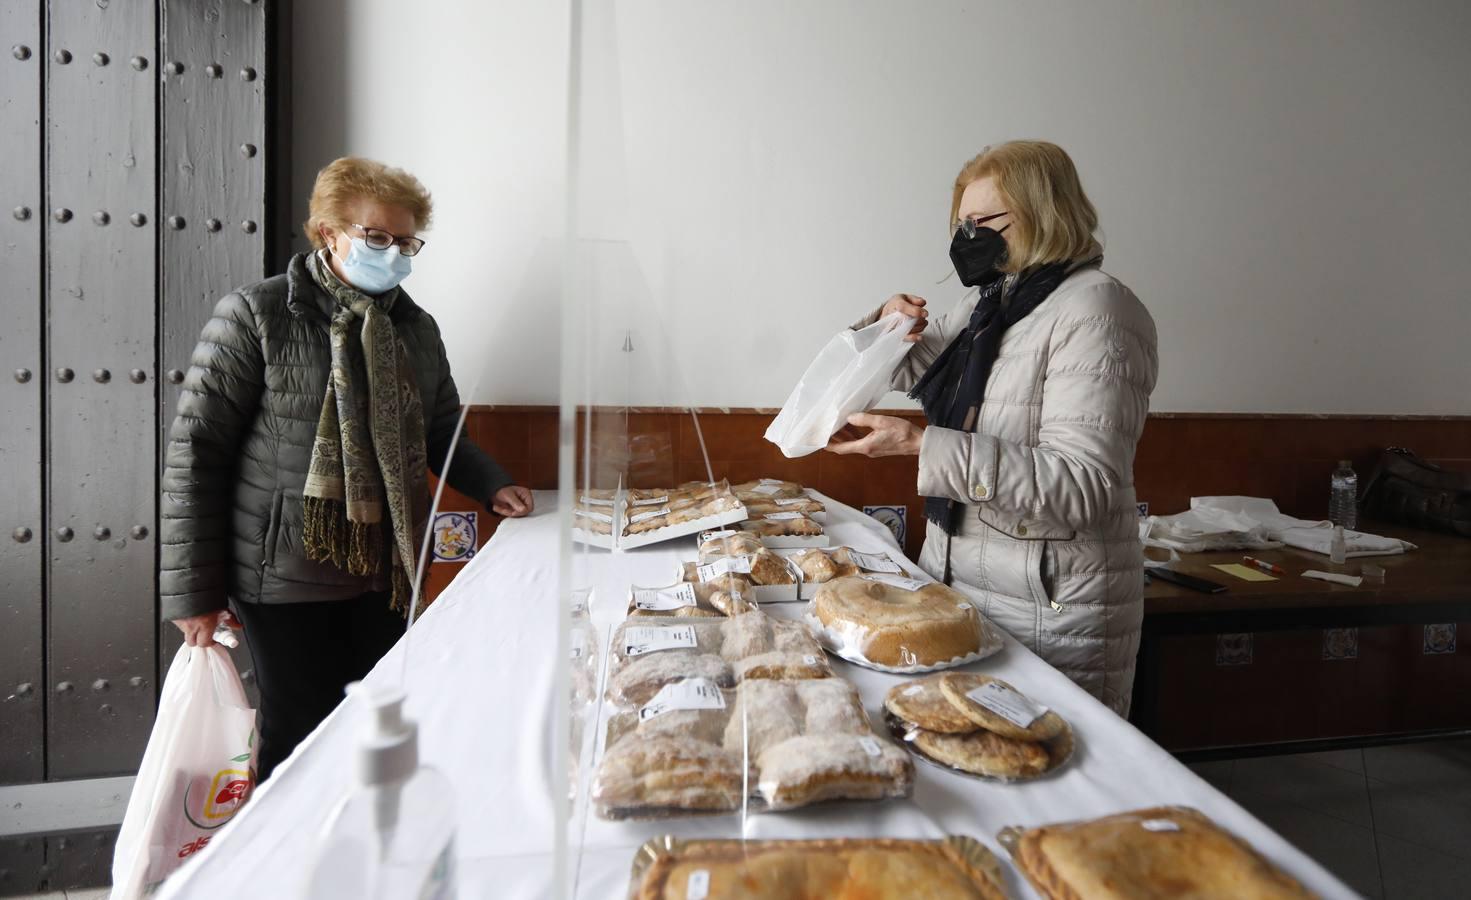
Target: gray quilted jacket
1049,547
238,451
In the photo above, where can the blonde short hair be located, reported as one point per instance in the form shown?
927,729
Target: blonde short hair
1052,219
345,181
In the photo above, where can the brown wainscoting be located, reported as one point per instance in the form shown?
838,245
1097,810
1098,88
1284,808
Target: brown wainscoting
1286,457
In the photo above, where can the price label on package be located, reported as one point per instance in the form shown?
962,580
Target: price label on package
1007,703
903,584
717,535
698,886
650,501
595,516
1159,825
870,562
594,501
650,638
677,597
784,516
768,489
730,565
792,501
870,746
690,693
650,514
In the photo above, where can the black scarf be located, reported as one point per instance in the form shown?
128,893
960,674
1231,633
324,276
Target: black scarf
952,387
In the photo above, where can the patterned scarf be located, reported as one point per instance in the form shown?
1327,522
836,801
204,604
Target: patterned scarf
369,452
954,386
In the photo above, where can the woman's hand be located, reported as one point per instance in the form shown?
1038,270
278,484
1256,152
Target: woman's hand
512,501
888,436
908,305
199,631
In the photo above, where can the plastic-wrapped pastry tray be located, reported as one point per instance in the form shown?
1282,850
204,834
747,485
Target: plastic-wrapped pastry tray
669,866
630,506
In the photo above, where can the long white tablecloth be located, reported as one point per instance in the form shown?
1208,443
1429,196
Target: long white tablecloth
479,678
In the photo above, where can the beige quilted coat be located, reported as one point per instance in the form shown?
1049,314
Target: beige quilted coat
1049,545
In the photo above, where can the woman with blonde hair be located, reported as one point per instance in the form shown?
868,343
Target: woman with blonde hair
295,487
1036,389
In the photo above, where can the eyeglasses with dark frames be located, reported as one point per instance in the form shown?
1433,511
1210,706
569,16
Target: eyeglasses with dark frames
378,239
970,225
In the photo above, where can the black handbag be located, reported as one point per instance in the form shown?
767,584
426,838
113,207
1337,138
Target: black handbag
1407,490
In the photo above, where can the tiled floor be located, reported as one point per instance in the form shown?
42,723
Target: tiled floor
1392,822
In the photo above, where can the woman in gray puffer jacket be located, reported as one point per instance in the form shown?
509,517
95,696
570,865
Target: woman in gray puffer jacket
1036,388
295,486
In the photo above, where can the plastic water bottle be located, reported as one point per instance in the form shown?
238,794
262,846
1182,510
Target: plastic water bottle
1343,502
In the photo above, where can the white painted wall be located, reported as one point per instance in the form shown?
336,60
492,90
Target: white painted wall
1283,183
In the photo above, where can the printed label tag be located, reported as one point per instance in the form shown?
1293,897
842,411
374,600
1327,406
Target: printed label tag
645,516
1159,825
698,887
579,646
870,746
809,660
767,489
651,501
792,501
776,481
903,584
595,516
691,693
784,516
594,501
677,597
738,565
717,535
913,689
873,563
1007,703
649,638
962,606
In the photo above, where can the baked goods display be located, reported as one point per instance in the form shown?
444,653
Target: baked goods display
729,564
977,725
806,505
652,509
805,741
953,868
649,653
1166,851
767,489
893,623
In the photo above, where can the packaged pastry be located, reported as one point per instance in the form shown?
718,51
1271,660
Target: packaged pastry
647,653
678,600
760,507
977,725
761,576
717,544
782,525
660,776
811,741
898,624
597,521
768,489
649,515
819,565
953,868
1163,852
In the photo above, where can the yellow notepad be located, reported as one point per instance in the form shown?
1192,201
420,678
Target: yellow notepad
1245,573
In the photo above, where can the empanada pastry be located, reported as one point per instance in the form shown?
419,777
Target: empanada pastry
956,686
659,775
831,706
640,678
738,543
783,665
923,704
745,635
764,714
983,753
1163,852
826,766
867,868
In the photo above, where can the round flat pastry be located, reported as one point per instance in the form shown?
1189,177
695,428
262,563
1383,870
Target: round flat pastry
956,685
922,703
984,753
892,626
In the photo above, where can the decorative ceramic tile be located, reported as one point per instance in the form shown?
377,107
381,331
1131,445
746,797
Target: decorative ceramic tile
1340,643
1143,510
1440,638
895,518
1233,649
455,536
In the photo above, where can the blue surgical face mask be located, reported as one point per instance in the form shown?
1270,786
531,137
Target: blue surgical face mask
375,271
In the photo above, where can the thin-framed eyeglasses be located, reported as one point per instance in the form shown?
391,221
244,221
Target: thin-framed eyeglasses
970,225
378,239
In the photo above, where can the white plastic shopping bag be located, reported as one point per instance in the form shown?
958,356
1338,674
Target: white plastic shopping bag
198,770
850,375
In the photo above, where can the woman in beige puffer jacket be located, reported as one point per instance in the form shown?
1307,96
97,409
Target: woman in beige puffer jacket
1043,524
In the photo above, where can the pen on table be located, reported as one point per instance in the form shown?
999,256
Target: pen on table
1266,566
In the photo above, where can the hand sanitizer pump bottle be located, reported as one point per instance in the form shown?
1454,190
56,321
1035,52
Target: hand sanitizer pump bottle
392,837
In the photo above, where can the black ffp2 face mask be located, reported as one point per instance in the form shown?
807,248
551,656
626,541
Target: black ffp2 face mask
977,260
